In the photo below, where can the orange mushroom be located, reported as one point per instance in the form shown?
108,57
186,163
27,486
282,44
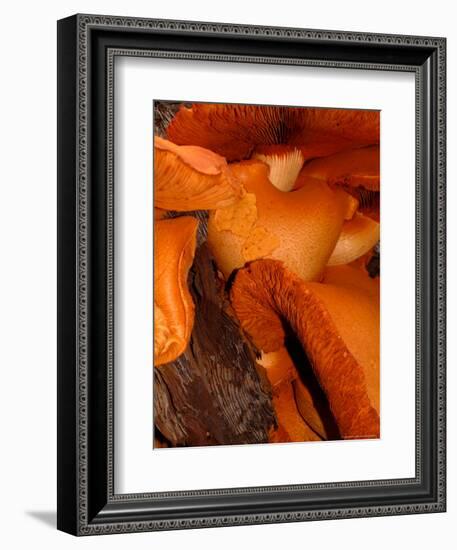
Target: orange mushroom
357,237
285,163
356,171
320,131
352,277
300,228
318,418
174,248
228,129
338,327
278,366
191,178
235,131
291,425
357,167
315,422
159,214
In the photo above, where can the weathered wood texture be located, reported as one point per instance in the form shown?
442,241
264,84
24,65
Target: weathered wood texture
212,394
164,111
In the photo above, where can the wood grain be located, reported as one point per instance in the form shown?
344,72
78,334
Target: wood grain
212,394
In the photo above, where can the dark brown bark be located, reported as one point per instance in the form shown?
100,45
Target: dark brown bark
212,394
164,111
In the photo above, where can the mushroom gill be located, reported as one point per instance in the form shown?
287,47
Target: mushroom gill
320,132
228,129
191,178
300,228
174,249
284,162
235,131
337,326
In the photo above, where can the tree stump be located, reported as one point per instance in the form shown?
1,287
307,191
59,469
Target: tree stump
213,393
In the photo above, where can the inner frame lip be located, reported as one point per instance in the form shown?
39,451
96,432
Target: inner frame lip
116,54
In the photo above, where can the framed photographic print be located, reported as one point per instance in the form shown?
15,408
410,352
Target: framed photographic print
251,274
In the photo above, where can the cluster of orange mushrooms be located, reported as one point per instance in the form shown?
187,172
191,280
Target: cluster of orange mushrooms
293,201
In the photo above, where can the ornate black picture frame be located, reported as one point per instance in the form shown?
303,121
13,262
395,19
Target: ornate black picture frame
87,46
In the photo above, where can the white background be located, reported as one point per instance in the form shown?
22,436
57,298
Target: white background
136,467
28,280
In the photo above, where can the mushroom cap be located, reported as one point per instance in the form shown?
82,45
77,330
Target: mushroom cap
355,315
300,228
291,424
358,236
321,132
353,277
278,366
159,214
310,402
174,249
356,171
234,131
338,327
356,167
317,420
191,178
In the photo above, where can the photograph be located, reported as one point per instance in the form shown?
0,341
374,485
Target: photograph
267,267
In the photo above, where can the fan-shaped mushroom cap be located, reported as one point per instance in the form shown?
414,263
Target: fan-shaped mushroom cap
191,178
357,167
300,228
234,131
174,248
338,327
